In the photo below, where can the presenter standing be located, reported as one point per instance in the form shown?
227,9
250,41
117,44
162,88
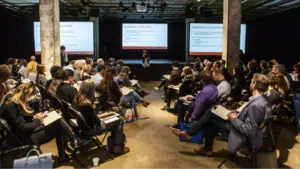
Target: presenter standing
146,59
63,56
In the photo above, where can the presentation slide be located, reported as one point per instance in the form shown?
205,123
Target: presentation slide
206,39
77,37
145,36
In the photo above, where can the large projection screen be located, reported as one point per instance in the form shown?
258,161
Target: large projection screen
207,39
144,36
77,37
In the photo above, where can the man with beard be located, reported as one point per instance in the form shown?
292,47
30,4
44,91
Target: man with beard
240,127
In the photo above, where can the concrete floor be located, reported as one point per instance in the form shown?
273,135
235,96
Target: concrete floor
154,146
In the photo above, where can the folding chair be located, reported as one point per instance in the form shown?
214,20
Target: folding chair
253,153
83,141
10,142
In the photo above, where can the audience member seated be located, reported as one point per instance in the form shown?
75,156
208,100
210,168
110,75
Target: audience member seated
41,75
85,73
123,80
175,78
227,75
273,95
56,81
185,88
197,70
70,66
264,67
85,101
22,70
119,66
109,86
27,125
223,86
241,128
279,70
31,66
203,102
251,72
99,62
78,69
98,77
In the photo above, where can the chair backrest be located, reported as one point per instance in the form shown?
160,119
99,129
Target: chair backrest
10,137
75,114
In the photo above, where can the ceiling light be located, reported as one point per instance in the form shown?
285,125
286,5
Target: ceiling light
198,0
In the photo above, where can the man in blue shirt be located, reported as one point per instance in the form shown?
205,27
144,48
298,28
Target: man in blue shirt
203,101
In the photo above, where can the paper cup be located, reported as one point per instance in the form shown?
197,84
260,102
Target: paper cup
96,161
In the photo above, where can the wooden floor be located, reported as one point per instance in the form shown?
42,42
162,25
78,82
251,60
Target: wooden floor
154,146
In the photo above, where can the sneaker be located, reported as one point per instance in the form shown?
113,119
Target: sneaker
156,88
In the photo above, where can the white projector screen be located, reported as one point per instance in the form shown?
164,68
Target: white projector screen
144,36
206,39
77,37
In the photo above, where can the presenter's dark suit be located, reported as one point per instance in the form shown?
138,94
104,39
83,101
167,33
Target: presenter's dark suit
242,129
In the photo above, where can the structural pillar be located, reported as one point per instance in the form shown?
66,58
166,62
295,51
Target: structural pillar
231,32
188,58
50,35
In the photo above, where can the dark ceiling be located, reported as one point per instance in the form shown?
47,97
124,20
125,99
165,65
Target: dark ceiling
163,10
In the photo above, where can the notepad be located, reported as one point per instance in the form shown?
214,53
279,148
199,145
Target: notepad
51,117
185,100
167,76
125,90
220,111
109,117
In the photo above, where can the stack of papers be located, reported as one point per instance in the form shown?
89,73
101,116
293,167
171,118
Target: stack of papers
109,117
51,117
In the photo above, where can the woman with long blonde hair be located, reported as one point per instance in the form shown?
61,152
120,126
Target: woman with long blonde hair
27,124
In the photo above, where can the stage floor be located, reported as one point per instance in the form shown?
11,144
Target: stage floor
152,61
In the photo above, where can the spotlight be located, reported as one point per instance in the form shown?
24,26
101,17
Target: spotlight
198,0
121,4
133,5
143,3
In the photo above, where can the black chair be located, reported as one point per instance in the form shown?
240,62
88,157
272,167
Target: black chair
84,140
10,142
266,124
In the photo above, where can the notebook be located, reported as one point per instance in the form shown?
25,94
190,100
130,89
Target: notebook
51,117
167,76
109,117
220,111
125,90
184,99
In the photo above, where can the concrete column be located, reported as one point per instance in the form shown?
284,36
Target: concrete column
231,32
187,38
50,35
95,20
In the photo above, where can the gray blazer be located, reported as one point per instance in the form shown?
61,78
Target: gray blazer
245,127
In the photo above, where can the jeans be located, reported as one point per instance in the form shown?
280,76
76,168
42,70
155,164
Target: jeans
181,110
116,129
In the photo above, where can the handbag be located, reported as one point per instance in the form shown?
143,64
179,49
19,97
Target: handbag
129,115
39,161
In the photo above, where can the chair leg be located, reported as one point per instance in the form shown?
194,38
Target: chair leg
272,136
104,138
223,162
